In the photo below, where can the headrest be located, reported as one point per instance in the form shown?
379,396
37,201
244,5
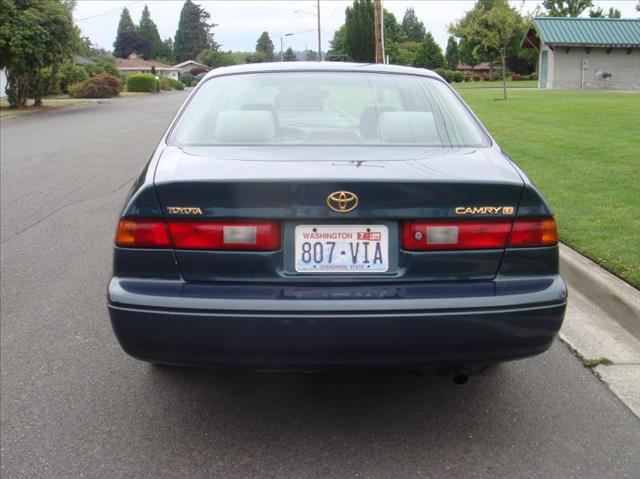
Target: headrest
409,127
249,127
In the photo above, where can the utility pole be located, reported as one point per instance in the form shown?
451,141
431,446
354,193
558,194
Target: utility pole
377,25
319,38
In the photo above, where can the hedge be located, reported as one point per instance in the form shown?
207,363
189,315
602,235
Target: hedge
142,82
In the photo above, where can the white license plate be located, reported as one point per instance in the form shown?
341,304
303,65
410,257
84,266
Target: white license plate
341,248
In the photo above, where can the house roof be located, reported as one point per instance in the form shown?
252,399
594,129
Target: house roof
133,63
588,32
191,62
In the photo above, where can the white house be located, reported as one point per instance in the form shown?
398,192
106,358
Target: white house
586,53
3,83
133,64
186,67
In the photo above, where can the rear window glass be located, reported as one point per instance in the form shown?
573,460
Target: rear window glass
326,108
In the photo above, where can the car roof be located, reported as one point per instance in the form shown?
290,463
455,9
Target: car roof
319,66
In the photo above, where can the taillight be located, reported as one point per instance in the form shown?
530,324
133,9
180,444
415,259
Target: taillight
465,235
142,234
539,232
225,235
450,235
209,235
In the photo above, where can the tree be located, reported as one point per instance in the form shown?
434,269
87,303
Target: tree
264,45
359,31
310,55
148,30
35,39
413,28
600,13
492,30
337,46
193,34
429,54
122,45
452,54
289,56
566,8
131,42
216,58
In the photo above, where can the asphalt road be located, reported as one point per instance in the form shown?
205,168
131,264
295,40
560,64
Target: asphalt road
74,405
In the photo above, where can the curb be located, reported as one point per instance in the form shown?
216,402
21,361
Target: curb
618,299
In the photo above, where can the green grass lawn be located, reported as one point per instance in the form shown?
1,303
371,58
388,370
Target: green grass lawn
496,84
582,149
48,104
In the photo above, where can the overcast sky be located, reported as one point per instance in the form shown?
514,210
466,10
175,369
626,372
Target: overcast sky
241,22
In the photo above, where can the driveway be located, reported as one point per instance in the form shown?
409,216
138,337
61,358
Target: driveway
74,405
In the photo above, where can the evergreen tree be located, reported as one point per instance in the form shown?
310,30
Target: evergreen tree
429,54
264,45
149,32
289,56
337,46
566,8
413,27
127,37
359,31
452,54
193,34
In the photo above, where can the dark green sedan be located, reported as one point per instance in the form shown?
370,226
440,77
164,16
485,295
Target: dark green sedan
313,216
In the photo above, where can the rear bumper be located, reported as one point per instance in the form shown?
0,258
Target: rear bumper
430,325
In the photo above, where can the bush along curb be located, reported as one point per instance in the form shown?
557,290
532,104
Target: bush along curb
618,299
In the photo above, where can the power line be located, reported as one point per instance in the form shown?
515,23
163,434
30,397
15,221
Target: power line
108,11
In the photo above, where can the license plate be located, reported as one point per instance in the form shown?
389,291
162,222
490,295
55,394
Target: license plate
341,248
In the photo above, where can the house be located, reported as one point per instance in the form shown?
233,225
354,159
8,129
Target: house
3,83
133,64
586,53
484,67
186,67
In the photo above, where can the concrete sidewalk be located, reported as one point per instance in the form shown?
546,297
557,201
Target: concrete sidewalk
602,325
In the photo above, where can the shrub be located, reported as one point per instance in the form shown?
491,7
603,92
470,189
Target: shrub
142,82
446,74
103,85
165,83
71,73
187,79
177,85
476,77
516,77
533,76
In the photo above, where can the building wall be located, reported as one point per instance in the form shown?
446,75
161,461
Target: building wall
566,69
3,83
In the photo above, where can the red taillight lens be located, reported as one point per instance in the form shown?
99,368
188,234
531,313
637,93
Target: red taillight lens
540,232
460,235
450,235
142,234
210,235
225,235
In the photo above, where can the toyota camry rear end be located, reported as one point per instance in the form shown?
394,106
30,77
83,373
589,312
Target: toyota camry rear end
312,216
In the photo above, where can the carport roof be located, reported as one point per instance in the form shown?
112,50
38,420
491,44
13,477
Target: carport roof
588,32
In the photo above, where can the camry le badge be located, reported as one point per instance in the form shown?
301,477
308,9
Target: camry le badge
342,201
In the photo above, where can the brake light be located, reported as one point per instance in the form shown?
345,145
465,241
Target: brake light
538,232
450,235
142,234
205,235
225,235
460,235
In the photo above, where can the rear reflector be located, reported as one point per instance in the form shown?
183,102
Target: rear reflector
468,235
541,232
206,235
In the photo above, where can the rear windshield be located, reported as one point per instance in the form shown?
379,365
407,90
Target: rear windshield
326,108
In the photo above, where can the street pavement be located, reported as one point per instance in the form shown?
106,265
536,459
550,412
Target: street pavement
74,405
